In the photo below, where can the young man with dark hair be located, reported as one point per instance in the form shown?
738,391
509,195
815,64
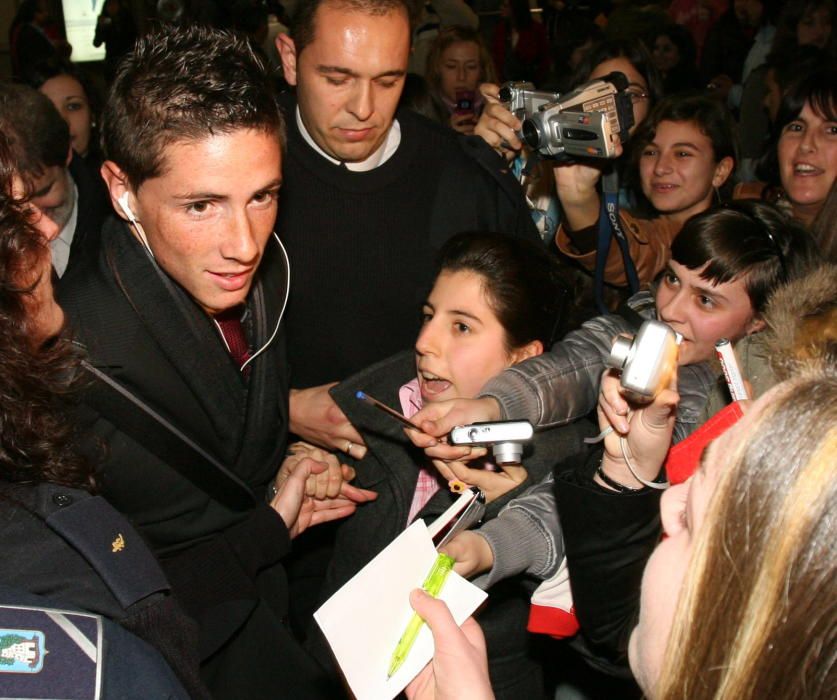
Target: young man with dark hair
181,315
57,181
372,192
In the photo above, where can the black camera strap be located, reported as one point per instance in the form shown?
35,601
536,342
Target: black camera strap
609,228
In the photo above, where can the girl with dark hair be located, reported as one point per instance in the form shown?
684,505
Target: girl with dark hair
457,63
800,168
500,128
75,99
495,302
683,153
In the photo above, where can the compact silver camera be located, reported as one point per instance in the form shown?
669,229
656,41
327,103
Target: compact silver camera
646,360
506,438
583,123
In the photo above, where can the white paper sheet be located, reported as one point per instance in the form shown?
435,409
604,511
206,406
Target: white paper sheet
364,620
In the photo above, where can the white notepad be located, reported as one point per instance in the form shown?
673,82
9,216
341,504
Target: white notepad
364,620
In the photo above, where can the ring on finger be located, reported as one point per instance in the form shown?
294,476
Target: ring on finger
349,446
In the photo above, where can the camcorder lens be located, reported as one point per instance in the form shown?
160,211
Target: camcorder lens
531,135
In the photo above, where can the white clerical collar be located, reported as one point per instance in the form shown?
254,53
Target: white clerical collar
379,157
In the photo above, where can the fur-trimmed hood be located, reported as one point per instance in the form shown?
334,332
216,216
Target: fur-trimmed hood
801,320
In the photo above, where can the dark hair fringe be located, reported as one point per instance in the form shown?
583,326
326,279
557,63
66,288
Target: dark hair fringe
746,238
524,285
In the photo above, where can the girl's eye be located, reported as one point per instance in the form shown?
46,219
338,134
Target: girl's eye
74,106
706,302
831,129
649,152
670,278
462,327
425,316
794,127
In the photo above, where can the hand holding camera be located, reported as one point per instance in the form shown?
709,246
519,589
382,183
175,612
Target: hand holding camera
497,126
638,400
641,432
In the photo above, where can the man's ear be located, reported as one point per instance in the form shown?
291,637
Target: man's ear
531,349
722,171
121,196
755,325
287,52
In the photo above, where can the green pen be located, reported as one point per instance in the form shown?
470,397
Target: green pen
432,585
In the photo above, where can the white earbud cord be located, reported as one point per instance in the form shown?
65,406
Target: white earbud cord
284,304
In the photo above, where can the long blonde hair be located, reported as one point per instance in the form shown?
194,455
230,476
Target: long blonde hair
757,615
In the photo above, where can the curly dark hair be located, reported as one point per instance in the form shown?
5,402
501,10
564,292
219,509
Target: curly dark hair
37,440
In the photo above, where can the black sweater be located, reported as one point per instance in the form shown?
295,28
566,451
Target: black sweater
362,245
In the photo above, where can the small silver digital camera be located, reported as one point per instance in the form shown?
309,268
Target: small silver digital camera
646,360
506,438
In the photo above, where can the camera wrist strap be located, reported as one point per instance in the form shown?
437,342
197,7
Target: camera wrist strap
610,227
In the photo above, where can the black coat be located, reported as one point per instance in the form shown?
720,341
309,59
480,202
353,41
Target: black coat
62,543
391,468
93,209
220,544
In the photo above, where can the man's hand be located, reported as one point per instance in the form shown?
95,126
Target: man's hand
472,553
493,484
497,126
330,483
437,419
459,670
647,429
299,512
317,419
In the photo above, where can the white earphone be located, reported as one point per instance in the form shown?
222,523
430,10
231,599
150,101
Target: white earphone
122,201
126,208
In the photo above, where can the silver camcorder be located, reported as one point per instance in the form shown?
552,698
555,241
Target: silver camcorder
506,438
646,360
584,123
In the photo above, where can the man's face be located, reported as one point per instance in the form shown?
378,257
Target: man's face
209,215
349,78
53,194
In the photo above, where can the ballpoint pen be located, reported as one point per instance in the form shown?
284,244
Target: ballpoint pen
432,585
363,396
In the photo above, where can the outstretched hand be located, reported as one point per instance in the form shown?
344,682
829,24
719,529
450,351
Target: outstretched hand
437,419
300,511
459,669
317,419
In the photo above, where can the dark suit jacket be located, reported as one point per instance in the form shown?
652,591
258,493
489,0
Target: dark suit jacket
219,542
93,208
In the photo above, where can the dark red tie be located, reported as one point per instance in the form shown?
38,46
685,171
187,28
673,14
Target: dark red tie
229,322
